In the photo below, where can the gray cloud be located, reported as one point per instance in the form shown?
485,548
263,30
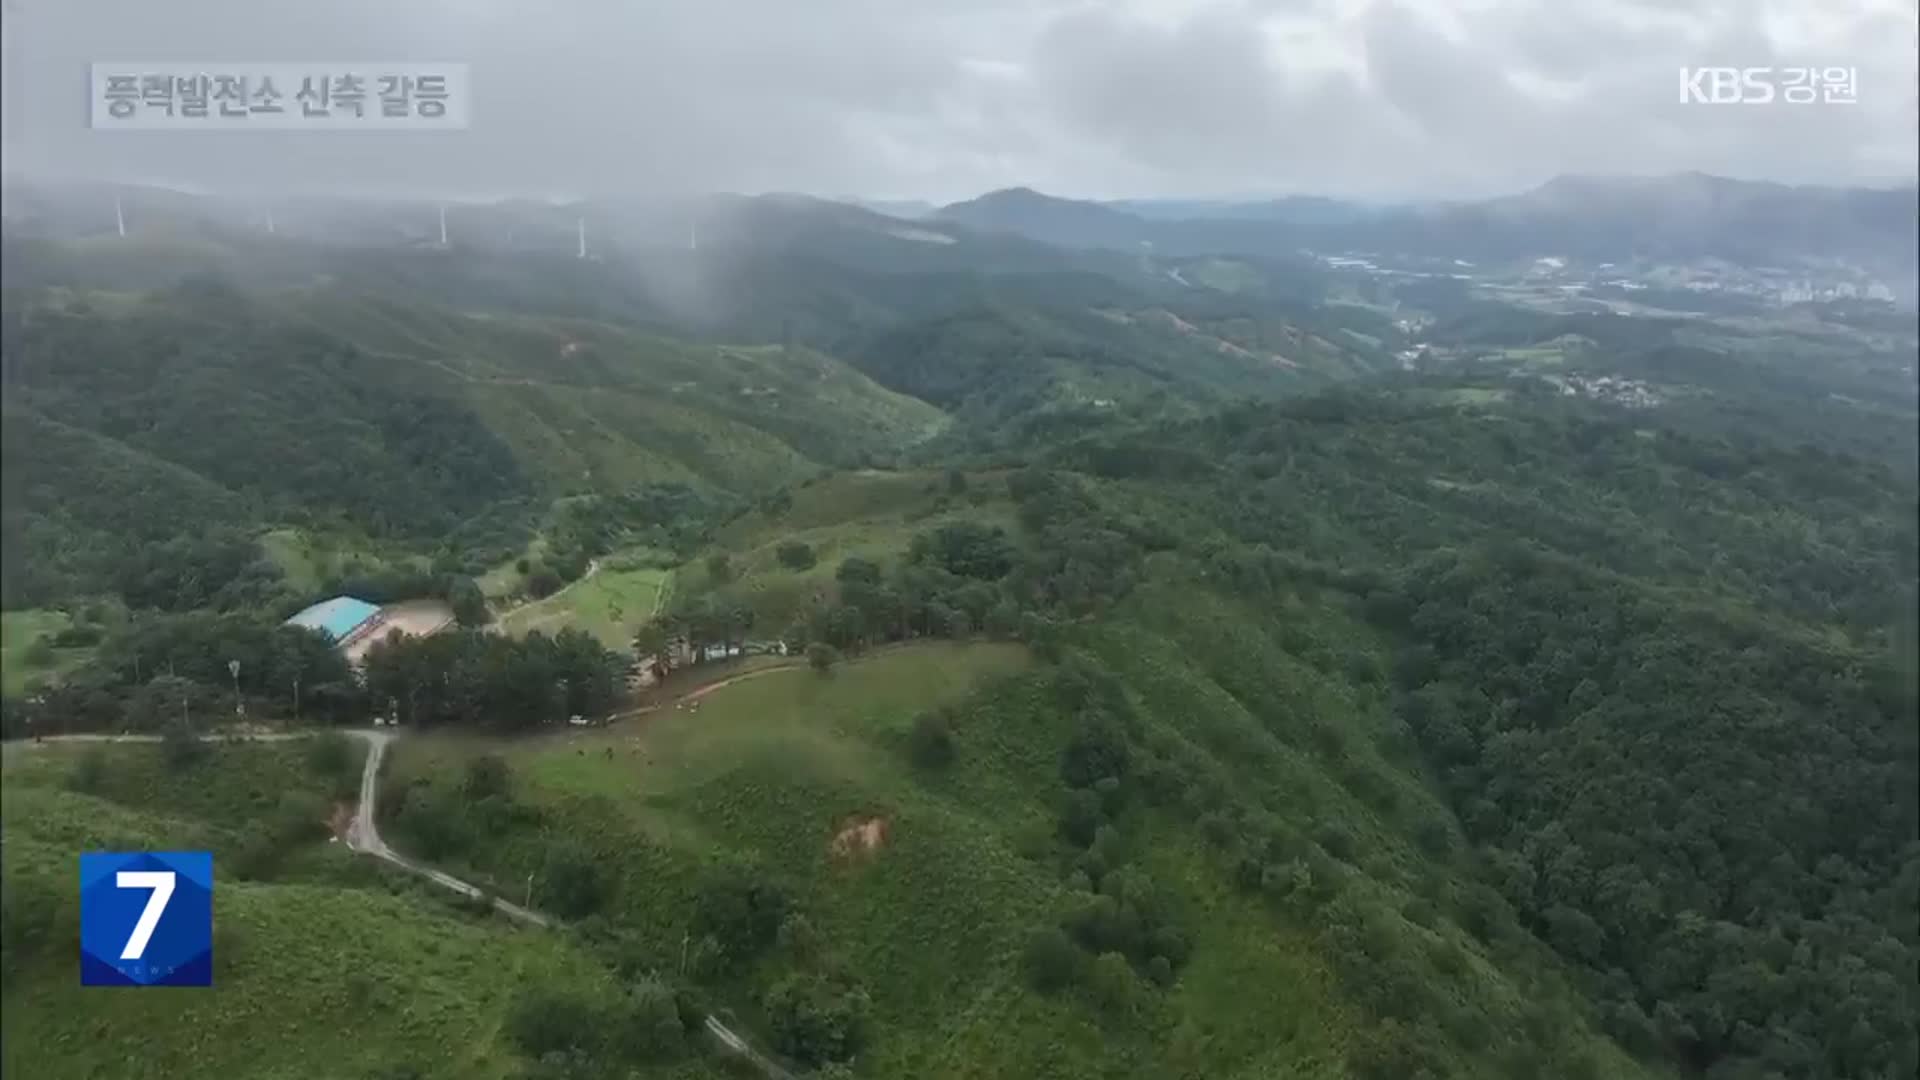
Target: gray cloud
944,98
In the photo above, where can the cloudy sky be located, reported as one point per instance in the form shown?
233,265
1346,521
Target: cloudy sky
942,99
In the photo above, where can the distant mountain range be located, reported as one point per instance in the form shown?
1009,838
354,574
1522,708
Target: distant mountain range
1598,219
1588,219
1291,209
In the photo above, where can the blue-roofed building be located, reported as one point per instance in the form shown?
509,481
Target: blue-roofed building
342,618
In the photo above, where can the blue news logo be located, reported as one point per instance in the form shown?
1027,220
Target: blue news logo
146,918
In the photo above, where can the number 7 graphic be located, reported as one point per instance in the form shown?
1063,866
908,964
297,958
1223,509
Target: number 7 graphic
146,918
161,882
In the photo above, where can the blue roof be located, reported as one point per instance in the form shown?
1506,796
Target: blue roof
335,618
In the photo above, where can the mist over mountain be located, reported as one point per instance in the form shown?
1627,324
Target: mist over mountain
1212,611
1593,218
1186,539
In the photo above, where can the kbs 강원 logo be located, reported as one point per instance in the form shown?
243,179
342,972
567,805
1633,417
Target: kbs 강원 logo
146,918
1766,85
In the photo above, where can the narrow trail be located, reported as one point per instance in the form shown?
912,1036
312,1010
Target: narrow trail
661,595
498,623
695,693
363,836
699,692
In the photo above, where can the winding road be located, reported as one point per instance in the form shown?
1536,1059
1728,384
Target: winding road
363,836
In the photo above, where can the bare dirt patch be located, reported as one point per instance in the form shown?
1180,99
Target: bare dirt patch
414,618
341,819
858,837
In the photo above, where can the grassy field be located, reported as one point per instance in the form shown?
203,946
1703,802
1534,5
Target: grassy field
1281,718
18,632
338,967
608,605
505,581
869,514
766,771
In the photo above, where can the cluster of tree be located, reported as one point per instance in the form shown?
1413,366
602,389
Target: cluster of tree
1624,757
78,514
1371,482
490,681
817,1014
1121,927
1013,370
816,1019
669,516
277,410
569,1033
442,821
1706,812
158,670
930,742
913,601
737,919
1082,555
390,584
707,622
965,577
796,555
219,568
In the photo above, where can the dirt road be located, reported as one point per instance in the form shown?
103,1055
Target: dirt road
363,836
498,623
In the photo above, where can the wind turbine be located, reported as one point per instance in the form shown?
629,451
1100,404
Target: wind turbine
443,225
119,216
580,225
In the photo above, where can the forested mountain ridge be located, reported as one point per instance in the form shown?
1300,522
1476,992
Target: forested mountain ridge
402,422
1619,218
1187,692
1615,666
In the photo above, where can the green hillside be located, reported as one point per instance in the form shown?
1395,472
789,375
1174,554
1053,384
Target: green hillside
1190,669
780,561
933,924
390,426
310,941
1015,371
